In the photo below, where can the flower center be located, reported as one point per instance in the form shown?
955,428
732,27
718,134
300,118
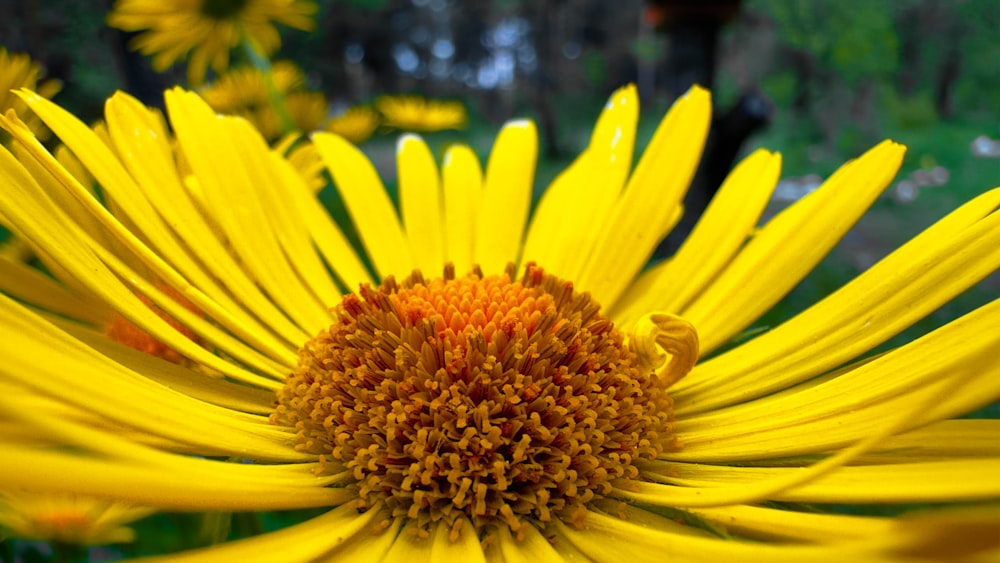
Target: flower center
223,9
66,525
509,402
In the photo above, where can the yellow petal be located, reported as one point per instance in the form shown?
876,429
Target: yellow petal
955,534
169,487
947,439
787,525
506,197
911,282
306,542
608,539
573,210
789,246
412,544
457,543
231,162
553,228
143,144
184,380
338,254
78,375
373,545
658,336
93,151
33,216
31,286
463,187
923,482
368,205
529,549
294,234
914,412
420,202
959,356
718,236
640,218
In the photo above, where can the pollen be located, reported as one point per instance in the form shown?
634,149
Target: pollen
510,401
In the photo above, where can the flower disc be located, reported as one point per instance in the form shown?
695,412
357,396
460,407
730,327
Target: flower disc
506,401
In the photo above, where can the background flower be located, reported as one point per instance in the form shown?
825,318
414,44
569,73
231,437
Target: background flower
67,519
411,112
17,70
356,124
246,92
204,31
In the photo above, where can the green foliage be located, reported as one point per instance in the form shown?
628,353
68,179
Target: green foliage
93,68
979,48
595,68
909,112
781,86
855,38
647,49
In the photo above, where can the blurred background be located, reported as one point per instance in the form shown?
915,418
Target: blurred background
820,81
845,73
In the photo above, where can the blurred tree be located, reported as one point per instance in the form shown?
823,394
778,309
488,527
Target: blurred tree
839,52
692,30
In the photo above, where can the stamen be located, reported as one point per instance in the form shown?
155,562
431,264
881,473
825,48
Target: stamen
508,402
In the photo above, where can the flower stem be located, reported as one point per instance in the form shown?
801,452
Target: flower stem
215,527
261,62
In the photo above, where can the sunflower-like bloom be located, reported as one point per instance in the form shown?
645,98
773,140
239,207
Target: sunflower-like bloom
67,518
245,92
411,112
356,124
205,31
17,71
495,388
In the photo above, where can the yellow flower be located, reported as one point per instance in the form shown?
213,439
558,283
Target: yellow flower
356,124
464,404
206,30
19,71
244,92
67,518
416,113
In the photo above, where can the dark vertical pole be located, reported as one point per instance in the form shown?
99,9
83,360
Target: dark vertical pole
691,29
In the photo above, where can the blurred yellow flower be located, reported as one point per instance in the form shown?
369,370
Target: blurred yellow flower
356,124
68,519
17,70
304,157
415,113
245,92
206,30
